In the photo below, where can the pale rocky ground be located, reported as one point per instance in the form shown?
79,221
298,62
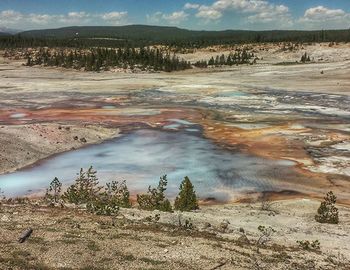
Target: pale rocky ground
25,144
58,243
73,239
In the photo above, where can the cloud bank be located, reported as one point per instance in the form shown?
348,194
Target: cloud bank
243,14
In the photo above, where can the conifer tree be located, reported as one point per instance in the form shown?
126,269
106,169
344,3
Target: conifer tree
53,193
85,189
327,212
155,199
187,199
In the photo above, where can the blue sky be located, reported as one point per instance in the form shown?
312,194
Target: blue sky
196,14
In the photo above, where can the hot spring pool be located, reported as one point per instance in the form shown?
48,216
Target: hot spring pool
143,156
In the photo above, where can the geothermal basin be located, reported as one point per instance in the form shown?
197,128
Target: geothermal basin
142,156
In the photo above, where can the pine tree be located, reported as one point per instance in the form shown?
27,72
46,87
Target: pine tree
53,193
155,199
187,199
327,212
85,189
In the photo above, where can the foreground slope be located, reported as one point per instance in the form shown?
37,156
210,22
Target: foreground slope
72,239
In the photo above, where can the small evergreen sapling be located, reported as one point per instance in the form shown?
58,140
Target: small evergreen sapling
187,199
327,212
307,245
85,189
118,193
155,198
108,203
53,193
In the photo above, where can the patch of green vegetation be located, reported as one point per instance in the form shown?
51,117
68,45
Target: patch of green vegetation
22,259
91,245
307,245
21,253
151,261
71,235
70,241
287,63
90,267
51,229
37,240
155,198
125,257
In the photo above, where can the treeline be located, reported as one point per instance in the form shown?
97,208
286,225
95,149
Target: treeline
98,59
239,57
18,41
106,200
141,36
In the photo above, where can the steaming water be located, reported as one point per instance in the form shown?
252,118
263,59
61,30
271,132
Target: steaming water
141,157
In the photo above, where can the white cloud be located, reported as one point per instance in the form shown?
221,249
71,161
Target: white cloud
10,17
32,20
115,17
174,18
321,13
191,6
256,10
208,13
323,17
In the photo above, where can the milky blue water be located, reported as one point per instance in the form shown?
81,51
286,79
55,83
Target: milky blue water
143,156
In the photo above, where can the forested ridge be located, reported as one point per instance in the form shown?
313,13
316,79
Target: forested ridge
143,35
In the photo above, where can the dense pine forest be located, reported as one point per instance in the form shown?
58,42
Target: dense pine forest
143,35
239,57
98,59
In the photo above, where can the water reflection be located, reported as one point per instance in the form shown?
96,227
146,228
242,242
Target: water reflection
141,157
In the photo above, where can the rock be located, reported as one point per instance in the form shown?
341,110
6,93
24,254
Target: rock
243,239
206,225
76,226
83,140
224,225
75,138
166,250
25,235
5,218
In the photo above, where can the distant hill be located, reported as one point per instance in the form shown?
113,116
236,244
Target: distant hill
126,32
170,34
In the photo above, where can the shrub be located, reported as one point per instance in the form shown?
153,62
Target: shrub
187,199
101,206
53,193
118,193
265,235
265,203
307,245
187,224
85,189
327,212
155,199
108,202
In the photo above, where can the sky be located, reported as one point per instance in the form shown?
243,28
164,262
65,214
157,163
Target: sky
190,14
